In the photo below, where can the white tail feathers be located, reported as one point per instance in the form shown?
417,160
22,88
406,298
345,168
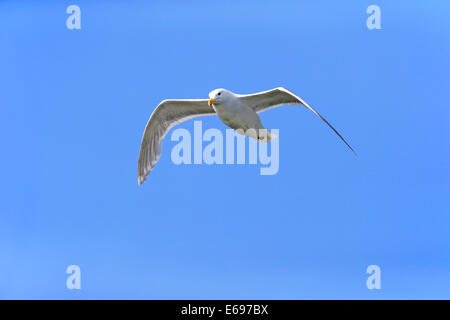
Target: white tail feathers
262,135
270,136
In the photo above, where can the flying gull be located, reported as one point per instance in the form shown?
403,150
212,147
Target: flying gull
239,112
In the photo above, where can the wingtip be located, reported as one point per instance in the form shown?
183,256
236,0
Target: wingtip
142,179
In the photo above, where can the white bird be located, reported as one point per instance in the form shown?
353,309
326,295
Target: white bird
237,111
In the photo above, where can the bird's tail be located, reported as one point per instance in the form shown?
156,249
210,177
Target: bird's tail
271,136
266,136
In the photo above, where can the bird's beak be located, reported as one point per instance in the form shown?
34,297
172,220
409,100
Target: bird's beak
211,101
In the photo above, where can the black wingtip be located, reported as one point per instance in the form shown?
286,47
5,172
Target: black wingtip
329,124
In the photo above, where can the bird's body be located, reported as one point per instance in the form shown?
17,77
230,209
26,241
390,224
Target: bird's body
239,112
236,114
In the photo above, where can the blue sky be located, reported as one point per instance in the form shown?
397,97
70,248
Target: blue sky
75,102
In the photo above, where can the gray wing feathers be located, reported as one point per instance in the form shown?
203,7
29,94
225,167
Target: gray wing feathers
168,114
266,100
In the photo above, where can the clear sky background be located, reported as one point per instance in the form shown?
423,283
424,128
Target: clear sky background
74,104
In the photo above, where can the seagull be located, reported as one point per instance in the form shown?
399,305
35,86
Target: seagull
238,111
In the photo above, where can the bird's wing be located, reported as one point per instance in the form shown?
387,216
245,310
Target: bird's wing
266,100
166,115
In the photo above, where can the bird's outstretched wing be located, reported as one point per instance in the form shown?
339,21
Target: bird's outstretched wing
166,115
266,100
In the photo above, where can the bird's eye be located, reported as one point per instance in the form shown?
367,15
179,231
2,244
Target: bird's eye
219,93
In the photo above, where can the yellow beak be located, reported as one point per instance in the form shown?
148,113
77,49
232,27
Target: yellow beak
211,101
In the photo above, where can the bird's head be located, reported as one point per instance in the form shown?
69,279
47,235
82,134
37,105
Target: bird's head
218,96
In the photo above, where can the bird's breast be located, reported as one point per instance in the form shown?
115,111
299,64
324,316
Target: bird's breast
236,116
